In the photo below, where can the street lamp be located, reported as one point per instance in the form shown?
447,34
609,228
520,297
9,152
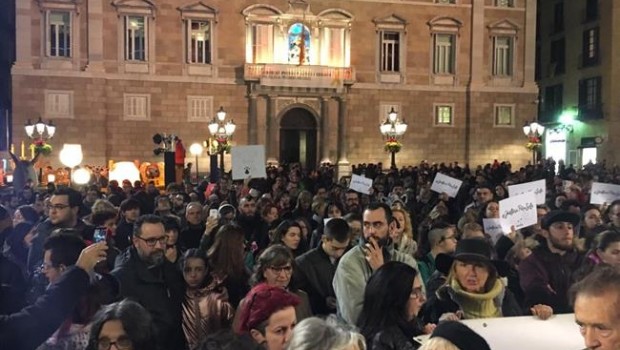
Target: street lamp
392,129
196,150
222,131
71,156
533,131
40,132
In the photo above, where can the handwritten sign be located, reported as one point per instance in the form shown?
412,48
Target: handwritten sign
539,188
360,184
447,184
248,161
493,228
604,193
519,211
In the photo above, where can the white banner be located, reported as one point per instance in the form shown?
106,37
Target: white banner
446,184
539,188
248,161
519,211
493,228
360,184
604,193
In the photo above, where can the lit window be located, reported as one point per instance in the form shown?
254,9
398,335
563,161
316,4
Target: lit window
262,43
502,56
443,115
390,51
298,44
504,3
444,54
135,38
59,34
198,41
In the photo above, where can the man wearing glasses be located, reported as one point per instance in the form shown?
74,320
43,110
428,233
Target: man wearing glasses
63,213
147,277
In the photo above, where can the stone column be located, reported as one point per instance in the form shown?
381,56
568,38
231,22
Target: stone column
478,33
324,141
529,78
252,123
344,167
23,28
95,36
271,136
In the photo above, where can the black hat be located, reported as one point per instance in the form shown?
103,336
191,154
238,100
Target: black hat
460,335
559,216
471,249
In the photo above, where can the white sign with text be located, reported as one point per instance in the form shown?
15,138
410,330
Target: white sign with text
446,184
360,184
604,193
248,161
493,228
539,188
518,211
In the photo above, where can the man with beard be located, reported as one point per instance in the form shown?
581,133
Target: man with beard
352,201
194,226
360,262
154,282
248,220
546,275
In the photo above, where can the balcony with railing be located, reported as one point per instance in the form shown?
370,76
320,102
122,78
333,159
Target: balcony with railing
289,75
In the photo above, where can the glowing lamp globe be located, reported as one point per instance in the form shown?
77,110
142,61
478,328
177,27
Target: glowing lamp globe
124,171
80,176
71,155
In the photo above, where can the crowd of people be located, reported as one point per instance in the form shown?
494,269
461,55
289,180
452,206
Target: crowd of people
300,261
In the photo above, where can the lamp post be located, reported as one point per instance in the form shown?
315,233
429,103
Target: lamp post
40,132
392,129
533,131
196,150
222,131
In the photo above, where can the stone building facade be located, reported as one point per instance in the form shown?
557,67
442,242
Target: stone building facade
312,81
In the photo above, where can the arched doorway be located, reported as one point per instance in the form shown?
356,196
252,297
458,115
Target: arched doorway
298,138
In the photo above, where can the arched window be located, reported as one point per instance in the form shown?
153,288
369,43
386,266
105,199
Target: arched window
299,44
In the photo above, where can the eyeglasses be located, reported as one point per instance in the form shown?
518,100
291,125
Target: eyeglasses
151,242
122,343
416,293
56,206
279,269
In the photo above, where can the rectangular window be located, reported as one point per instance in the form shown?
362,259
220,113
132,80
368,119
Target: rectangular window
558,17
137,107
444,54
443,115
199,108
59,34
135,38
262,43
590,49
58,104
502,56
553,101
336,53
557,56
390,51
503,115
198,42
591,10
446,1
504,3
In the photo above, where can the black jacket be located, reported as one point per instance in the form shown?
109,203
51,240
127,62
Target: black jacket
13,287
442,302
30,327
124,233
160,290
190,235
315,275
394,338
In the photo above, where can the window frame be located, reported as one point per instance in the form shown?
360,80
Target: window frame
51,114
436,110
129,53
591,47
496,109
48,37
508,70
397,25
510,3
451,51
389,45
133,117
136,8
208,100
189,33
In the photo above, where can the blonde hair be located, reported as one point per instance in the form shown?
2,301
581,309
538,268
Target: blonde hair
408,230
438,343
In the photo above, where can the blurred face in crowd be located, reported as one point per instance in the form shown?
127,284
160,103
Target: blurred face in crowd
304,228
131,215
484,195
471,275
51,272
178,201
163,206
278,330
322,193
247,207
614,215
559,200
61,214
447,244
292,237
560,236
592,218
472,234
492,211
416,299
399,228
39,205
279,276
113,332
110,225
193,214
17,218
540,213
333,248
611,254
172,236
352,202
376,226
333,212
151,243
194,272
272,215
356,230
599,323
91,196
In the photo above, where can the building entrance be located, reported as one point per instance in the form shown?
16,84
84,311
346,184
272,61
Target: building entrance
298,138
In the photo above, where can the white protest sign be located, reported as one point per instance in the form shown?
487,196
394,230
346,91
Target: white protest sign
360,184
248,161
493,228
519,211
447,184
539,188
604,193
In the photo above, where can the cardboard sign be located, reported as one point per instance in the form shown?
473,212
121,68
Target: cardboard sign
539,188
493,228
447,184
604,193
248,161
360,184
519,211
